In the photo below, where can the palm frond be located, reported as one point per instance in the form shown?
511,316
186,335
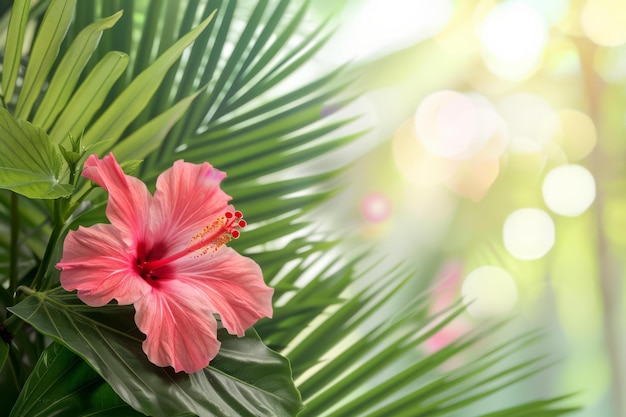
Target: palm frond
136,87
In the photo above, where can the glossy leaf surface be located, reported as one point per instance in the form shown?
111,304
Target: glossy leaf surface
30,164
63,384
245,379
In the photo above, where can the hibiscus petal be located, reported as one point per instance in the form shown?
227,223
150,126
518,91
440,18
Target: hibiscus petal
188,197
128,207
97,263
232,284
180,329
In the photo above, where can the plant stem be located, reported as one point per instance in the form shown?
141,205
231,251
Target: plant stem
13,247
13,324
73,205
41,280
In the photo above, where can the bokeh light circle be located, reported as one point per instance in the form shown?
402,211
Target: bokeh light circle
446,122
375,207
489,292
531,120
610,64
370,28
604,21
415,163
576,134
513,35
528,233
569,190
553,11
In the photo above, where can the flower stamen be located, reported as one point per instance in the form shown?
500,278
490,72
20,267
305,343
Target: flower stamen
217,234
208,240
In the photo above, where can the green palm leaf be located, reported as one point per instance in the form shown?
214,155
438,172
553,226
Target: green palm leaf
44,53
235,383
69,70
151,94
14,43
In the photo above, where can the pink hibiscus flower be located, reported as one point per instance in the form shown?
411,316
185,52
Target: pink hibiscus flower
166,255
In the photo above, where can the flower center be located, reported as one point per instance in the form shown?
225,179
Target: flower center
212,237
144,255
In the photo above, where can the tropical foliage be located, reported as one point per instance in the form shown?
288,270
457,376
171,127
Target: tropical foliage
202,81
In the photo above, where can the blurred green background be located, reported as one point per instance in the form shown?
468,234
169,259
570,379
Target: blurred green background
495,150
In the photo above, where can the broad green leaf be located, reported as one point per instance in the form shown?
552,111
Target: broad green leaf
44,52
30,164
137,95
149,137
245,379
253,130
63,384
69,70
87,100
13,48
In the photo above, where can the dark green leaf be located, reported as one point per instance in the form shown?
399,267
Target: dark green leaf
246,379
63,384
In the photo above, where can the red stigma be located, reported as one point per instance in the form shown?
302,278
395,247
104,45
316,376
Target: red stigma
235,225
217,234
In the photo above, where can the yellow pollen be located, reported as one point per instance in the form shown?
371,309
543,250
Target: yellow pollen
211,237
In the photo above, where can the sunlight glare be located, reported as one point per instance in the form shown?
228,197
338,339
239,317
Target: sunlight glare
569,190
489,292
610,63
604,21
531,120
513,35
379,26
446,122
576,134
528,233
414,162
553,11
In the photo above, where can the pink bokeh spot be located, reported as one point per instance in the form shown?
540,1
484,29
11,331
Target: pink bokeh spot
376,207
446,292
166,254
